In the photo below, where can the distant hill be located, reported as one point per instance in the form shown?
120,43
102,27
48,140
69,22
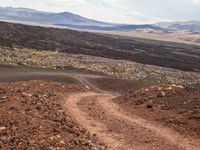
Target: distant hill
30,15
112,28
187,25
63,19
73,21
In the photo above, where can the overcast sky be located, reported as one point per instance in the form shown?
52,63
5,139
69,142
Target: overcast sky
118,11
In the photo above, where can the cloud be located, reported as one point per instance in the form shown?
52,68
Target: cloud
196,1
118,11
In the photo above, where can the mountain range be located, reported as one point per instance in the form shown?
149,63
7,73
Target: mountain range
31,15
63,19
70,20
180,25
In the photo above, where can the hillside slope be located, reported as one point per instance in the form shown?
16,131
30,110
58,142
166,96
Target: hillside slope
31,15
165,54
63,19
179,26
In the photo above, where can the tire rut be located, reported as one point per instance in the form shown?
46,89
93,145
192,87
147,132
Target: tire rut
91,125
99,115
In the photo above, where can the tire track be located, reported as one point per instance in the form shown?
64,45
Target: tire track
164,137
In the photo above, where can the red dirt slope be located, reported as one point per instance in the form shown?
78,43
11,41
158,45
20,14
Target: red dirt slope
173,106
32,117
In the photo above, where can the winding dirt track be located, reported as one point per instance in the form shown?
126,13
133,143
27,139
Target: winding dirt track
103,118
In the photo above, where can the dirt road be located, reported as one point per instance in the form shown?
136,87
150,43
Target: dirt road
104,119
120,130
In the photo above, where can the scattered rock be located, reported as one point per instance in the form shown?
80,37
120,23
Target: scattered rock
161,94
3,97
26,95
146,141
2,130
31,142
110,130
62,142
149,104
37,111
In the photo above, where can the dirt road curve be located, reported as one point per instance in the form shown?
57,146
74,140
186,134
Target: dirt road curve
120,130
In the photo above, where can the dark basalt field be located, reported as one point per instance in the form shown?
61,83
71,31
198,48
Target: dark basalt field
165,54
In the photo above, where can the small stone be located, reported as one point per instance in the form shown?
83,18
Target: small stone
76,141
110,130
1,144
87,87
102,147
170,120
169,88
94,134
161,94
3,97
147,141
149,104
5,139
62,142
2,130
52,138
2,101
32,142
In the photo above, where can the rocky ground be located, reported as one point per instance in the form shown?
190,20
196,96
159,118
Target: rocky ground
33,117
97,112
174,106
154,108
118,68
153,52
122,126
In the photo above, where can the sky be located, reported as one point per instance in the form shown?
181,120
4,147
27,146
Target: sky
118,11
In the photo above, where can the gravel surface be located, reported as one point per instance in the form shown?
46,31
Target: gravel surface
174,106
117,68
32,117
